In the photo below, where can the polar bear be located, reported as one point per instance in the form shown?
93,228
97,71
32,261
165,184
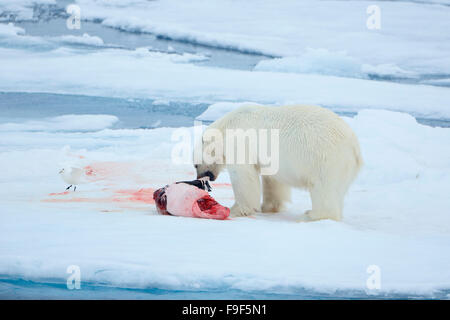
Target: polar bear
317,151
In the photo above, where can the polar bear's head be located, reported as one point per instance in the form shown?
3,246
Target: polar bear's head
208,170
209,157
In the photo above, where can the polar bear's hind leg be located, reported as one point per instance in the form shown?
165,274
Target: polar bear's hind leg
328,192
327,203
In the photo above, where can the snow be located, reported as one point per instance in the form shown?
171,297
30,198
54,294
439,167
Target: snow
187,57
10,30
412,32
395,217
386,70
156,75
316,61
322,61
85,39
85,122
16,37
218,109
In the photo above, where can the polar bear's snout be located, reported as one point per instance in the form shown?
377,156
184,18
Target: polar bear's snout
205,171
209,174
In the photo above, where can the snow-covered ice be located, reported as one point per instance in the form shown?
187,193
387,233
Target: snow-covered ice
63,123
16,37
218,109
20,9
411,36
85,39
339,63
396,216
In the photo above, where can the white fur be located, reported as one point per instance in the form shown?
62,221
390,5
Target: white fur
318,152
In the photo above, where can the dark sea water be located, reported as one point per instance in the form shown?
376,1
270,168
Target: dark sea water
133,113
13,288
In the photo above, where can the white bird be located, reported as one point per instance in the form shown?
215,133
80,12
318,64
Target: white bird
72,176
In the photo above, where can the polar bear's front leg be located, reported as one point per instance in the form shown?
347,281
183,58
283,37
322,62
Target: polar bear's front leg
247,189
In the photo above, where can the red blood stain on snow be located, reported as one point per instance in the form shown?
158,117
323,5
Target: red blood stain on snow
142,195
109,174
104,170
221,185
89,171
78,199
59,193
75,155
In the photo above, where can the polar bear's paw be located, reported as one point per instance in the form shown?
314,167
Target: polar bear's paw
311,215
305,217
272,207
241,211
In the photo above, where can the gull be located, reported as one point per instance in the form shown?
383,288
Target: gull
72,176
